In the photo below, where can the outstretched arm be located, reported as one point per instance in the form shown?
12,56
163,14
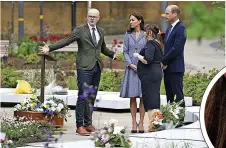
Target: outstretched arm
63,42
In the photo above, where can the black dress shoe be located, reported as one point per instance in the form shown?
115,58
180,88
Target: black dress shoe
133,131
140,131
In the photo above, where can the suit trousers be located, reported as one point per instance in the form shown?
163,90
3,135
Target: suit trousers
85,103
174,86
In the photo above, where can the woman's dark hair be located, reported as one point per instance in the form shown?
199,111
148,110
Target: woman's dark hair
156,34
140,18
215,113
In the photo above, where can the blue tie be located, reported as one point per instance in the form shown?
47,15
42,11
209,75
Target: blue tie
170,29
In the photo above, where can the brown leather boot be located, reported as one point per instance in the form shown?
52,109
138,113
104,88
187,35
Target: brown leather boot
82,131
90,128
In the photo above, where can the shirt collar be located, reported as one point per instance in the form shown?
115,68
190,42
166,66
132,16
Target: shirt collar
175,23
90,27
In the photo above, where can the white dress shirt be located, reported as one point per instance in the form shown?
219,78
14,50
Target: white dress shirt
174,24
96,32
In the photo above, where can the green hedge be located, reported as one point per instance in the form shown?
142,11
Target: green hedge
196,84
110,81
9,76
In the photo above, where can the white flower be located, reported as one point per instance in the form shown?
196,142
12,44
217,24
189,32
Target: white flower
18,106
61,105
114,121
177,110
117,129
39,109
96,140
110,129
51,102
108,145
58,109
9,141
53,108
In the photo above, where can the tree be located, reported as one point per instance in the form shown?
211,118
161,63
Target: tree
206,22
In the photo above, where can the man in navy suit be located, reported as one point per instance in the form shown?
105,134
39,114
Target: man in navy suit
173,60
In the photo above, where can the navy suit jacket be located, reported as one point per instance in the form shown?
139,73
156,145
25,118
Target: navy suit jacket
174,49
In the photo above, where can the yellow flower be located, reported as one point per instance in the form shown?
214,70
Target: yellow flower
33,104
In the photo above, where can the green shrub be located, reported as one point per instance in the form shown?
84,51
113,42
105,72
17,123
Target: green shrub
9,76
120,57
64,55
196,84
32,58
26,47
71,82
110,81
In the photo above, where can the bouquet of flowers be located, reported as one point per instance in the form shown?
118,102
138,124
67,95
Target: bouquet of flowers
169,116
111,136
156,121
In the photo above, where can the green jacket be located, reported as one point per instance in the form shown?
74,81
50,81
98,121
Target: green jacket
88,53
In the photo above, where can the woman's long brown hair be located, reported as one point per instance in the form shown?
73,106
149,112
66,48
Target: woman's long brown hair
215,114
156,35
140,18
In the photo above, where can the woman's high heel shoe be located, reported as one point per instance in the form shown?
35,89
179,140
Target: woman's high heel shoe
140,130
134,130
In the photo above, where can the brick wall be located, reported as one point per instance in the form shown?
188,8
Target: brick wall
114,15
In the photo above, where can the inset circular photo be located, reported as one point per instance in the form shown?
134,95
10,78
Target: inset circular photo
213,112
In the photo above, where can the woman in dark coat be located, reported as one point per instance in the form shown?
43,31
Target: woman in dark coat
149,69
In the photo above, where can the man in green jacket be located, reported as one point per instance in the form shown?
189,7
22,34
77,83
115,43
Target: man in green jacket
90,40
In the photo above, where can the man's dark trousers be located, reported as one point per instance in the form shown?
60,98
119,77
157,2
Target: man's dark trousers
173,82
84,106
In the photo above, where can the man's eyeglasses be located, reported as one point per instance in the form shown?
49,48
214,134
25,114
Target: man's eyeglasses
92,16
